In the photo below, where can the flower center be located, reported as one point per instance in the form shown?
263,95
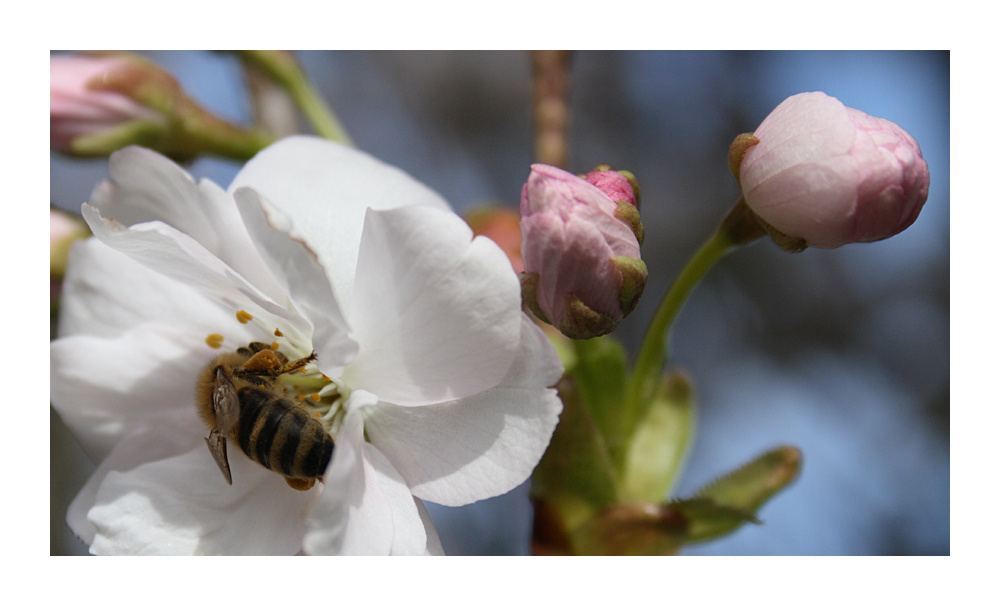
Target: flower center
305,385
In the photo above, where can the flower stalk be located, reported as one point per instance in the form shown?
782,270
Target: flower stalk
738,228
282,67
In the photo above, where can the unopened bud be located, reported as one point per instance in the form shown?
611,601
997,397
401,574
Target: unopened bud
618,184
81,114
103,102
817,173
582,267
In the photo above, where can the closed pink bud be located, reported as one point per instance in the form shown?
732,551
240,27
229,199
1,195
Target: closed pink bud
582,267
828,175
78,108
615,184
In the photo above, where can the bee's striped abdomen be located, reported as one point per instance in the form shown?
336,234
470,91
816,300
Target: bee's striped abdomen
282,436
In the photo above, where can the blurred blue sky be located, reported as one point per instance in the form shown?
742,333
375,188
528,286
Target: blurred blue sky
842,353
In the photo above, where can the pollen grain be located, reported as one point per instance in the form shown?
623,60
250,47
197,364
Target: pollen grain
214,340
243,316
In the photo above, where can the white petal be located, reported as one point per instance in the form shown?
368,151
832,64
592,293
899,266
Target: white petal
433,541
352,516
175,254
326,188
481,446
182,505
165,436
105,389
366,507
146,186
436,312
106,293
302,278
408,534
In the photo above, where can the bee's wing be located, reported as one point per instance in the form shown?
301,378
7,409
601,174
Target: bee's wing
217,446
225,402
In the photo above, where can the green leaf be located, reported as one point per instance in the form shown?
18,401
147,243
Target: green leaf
709,519
641,529
744,490
600,373
661,442
576,467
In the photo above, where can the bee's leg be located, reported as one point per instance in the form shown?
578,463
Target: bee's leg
297,364
264,363
252,377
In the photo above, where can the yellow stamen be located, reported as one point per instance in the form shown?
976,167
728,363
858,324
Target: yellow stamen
300,396
278,333
274,345
243,316
314,396
214,340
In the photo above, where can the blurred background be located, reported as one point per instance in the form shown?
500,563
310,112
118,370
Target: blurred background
843,353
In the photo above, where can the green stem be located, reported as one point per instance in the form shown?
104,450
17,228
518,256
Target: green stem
283,69
319,115
653,352
740,226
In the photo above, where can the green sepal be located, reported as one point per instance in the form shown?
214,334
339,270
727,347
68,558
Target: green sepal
581,322
636,529
634,277
528,284
576,468
737,148
635,186
661,442
628,213
784,241
746,490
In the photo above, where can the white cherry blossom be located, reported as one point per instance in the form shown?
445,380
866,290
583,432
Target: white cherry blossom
433,383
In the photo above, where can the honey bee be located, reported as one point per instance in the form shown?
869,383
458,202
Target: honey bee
239,398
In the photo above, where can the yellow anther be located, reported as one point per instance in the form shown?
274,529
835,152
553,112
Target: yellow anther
300,396
214,340
326,378
274,345
243,316
278,333
314,396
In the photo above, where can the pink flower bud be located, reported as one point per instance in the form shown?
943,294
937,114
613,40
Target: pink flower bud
828,175
613,183
78,108
582,267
